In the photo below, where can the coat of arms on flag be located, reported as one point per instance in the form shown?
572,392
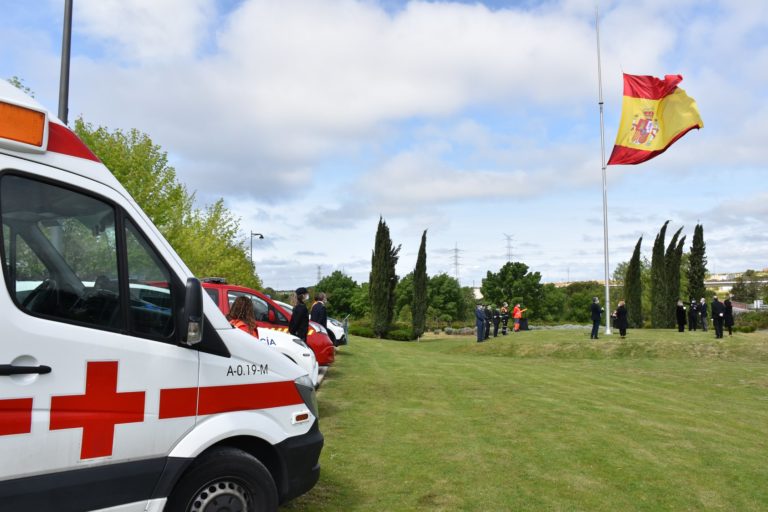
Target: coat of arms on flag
655,113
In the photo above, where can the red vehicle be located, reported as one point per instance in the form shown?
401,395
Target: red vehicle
269,314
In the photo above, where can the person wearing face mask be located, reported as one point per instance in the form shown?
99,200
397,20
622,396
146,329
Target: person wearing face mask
299,324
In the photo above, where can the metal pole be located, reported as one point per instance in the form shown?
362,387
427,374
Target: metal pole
605,182
66,43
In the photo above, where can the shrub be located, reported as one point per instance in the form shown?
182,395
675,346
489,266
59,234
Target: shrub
400,335
361,330
448,330
753,319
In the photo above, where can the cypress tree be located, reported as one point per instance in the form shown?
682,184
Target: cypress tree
419,303
633,289
382,280
658,279
697,265
672,280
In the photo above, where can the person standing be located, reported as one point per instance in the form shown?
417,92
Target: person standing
680,313
488,317
480,322
703,314
517,314
597,313
318,313
496,321
504,318
299,324
621,319
718,316
728,318
693,315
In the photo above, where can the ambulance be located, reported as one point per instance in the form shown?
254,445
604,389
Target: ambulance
122,386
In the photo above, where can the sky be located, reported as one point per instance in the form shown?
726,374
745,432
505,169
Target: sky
477,121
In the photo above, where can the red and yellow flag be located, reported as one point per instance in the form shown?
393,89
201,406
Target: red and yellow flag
655,113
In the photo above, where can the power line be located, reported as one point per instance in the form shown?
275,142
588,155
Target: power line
318,273
509,246
456,262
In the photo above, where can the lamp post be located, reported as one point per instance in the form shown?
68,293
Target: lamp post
261,237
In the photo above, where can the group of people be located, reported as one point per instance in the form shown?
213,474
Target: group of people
241,314
722,316
697,315
485,316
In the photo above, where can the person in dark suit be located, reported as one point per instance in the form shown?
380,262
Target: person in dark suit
597,313
480,322
680,313
318,312
693,316
299,324
728,318
496,322
703,314
621,318
488,317
718,316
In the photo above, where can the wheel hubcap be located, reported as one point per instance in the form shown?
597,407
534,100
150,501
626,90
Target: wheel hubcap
222,496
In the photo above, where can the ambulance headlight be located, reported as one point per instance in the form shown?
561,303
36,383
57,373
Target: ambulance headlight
307,391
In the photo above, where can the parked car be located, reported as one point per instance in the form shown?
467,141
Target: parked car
336,330
270,314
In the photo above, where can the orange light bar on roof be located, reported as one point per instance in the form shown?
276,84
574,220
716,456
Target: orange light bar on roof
22,124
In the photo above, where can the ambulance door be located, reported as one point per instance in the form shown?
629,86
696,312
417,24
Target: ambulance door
91,372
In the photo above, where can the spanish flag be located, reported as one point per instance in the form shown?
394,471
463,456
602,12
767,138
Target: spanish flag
655,113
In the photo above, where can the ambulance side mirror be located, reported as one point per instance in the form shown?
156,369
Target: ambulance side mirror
192,316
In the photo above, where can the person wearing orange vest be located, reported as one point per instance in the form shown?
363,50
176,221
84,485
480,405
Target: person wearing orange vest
241,315
517,314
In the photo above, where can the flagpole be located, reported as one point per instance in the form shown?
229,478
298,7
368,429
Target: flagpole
605,182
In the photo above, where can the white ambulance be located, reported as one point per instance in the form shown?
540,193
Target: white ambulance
122,386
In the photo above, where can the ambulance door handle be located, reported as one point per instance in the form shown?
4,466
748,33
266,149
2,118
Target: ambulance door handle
9,369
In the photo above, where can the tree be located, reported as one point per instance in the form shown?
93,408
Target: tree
659,279
747,287
404,295
578,297
514,284
552,304
361,301
633,288
207,239
340,290
383,280
445,298
419,300
697,264
672,279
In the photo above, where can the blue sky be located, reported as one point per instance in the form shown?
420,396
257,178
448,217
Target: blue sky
470,119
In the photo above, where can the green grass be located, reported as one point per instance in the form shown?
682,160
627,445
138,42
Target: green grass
546,420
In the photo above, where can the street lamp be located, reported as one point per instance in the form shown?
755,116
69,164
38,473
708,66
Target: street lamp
261,237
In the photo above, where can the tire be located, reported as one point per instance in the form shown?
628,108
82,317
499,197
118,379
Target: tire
224,480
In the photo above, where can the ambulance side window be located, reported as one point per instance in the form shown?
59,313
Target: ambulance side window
259,306
60,252
149,280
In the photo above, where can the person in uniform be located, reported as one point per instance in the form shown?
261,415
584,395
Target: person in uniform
488,317
496,321
504,318
299,324
693,316
480,322
703,314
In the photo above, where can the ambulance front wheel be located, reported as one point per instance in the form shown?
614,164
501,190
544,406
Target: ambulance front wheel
225,479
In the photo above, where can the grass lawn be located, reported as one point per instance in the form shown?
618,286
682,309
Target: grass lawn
546,420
